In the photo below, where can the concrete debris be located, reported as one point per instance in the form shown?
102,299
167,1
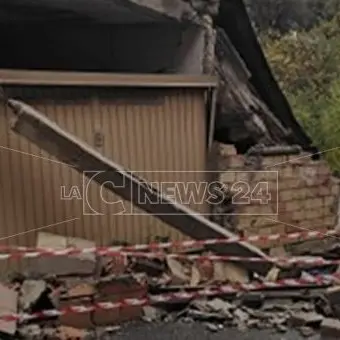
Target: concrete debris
111,280
204,316
252,299
31,290
195,276
303,306
241,315
180,273
215,308
306,319
333,299
277,252
8,305
213,327
273,274
276,305
84,264
306,331
229,272
187,320
201,304
306,276
30,332
282,328
87,279
151,314
330,328
220,306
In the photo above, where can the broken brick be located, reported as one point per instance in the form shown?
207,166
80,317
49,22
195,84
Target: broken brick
206,269
79,294
115,289
82,264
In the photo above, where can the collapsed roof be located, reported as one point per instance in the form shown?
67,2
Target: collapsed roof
79,36
258,83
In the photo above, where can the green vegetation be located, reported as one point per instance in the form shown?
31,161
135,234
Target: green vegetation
306,64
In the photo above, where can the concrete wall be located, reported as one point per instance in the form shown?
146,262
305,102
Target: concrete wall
304,194
138,48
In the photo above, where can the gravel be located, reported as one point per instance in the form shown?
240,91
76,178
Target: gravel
197,331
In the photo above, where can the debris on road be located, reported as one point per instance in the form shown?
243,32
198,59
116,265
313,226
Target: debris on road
306,319
8,305
330,327
164,289
82,264
113,290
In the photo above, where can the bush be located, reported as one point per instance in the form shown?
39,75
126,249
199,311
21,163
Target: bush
307,66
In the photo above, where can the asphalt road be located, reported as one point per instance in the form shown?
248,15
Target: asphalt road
197,331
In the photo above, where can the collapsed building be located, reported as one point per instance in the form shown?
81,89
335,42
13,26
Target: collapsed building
178,46
128,93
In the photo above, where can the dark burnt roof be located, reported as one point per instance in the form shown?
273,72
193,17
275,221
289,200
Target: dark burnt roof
234,20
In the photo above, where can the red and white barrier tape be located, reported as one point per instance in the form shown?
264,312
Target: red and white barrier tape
177,296
26,252
317,261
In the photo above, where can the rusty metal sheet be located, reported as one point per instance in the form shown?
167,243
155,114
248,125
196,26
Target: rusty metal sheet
36,127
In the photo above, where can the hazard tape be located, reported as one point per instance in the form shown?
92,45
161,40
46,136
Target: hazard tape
26,252
313,261
316,261
173,297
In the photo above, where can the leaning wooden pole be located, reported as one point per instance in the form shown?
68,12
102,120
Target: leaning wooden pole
36,127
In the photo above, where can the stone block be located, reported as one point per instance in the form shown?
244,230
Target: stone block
64,265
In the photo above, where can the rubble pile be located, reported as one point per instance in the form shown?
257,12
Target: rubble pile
59,298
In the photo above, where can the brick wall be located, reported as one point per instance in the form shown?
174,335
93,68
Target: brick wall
279,194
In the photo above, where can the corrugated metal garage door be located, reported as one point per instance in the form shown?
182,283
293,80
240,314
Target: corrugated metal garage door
161,130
